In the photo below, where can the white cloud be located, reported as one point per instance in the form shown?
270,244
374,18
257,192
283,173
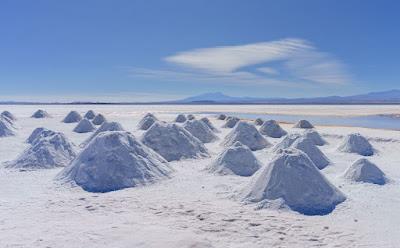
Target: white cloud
281,62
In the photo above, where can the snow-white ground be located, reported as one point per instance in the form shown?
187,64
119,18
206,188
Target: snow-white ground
194,208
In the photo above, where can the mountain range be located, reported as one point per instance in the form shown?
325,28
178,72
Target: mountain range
382,97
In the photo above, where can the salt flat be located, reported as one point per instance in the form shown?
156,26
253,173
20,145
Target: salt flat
194,208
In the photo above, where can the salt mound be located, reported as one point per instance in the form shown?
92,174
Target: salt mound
355,143
258,122
209,124
106,126
6,129
38,134
303,124
286,142
40,114
293,179
190,117
46,153
173,142
90,115
308,147
272,129
99,119
200,130
314,137
113,161
181,118
84,126
9,115
236,160
221,117
231,122
148,120
248,135
7,120
72,117
365,171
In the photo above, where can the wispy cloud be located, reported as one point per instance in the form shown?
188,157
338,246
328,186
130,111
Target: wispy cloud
284,62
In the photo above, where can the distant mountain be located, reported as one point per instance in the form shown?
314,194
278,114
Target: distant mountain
391,96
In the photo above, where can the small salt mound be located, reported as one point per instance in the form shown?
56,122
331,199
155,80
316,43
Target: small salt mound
272,129
355,143
173,142
292,178
236,160
7,120
114,161
9,115
99,119
40,114
181,118
106,126
200,130
314,137
221,117
84,126
248,135
38,134
90,115
258,122
365,171
303,124
46,153
72,117
190,117
231,122
308,147
148,120
209,124
6,129
286,142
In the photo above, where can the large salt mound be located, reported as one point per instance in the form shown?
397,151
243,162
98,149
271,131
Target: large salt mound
308,147
173,142
9,115
272,129
303,124
99,119
113,161
231,122
292,178
84,126
236,160
258,122
248,135
314,137
221,117
7,120
209,124
355,143
72,117
40,114
45,153
365,171
106,126
148,120
286,142
200,130
90,115
6,129
181,118
38,134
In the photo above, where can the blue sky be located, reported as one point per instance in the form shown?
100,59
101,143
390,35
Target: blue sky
159,50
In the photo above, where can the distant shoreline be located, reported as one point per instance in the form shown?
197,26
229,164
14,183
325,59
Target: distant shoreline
194,103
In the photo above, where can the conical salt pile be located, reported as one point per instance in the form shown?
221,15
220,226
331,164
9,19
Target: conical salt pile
38,134
231,122
99,119
314,137
221,117
200,130
303,124
258,122
236,160
209,124
9,115
6,129
365,171
72,117
148,120
248,135
84,126
355,143
181,118
272,129
40,114
106,126
113,161
173,142
293,180
308,147
90,115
